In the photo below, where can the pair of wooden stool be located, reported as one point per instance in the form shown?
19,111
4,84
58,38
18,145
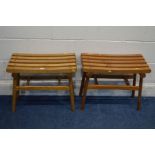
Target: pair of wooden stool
29,67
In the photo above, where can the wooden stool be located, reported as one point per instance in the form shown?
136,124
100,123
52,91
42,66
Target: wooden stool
114,67
54,66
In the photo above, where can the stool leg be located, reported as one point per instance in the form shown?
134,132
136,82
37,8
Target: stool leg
18,84
140,92
134,83
72,98
82,84
14,95
96,81
59,81
28,82
84,93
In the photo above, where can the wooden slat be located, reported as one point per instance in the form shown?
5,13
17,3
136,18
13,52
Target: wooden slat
112,58
115,65
121,87
42,61
43,55
114,62
42,65
42,58
112,55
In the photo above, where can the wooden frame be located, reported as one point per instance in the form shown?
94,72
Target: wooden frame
113,67
57,66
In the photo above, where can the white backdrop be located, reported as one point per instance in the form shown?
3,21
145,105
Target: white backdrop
77,39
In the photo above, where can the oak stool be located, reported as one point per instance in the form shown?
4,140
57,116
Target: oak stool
118,66
24,66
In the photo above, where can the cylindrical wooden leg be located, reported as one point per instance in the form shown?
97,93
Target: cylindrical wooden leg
18,83
14,95
82,84
59,81
84,93
72,98
140,92
134,83
28,82
96,81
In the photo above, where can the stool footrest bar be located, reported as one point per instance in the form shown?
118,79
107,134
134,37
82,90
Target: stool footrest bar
42,88
122,87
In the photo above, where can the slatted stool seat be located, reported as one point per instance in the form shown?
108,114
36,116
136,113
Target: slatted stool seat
29,67
113,67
